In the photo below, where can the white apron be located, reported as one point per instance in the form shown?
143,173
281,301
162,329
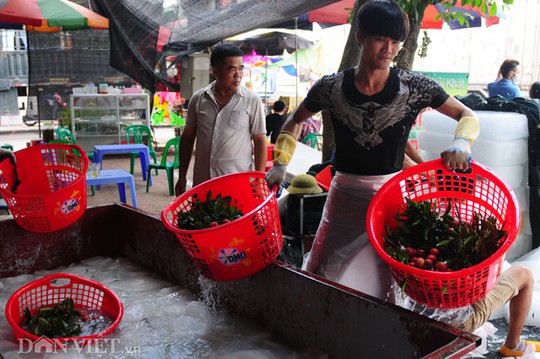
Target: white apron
341,251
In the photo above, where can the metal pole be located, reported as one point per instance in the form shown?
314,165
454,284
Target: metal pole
296,55
266,84
38,92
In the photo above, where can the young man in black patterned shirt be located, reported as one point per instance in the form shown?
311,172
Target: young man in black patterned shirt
373,107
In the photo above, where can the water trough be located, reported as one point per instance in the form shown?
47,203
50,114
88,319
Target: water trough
300,309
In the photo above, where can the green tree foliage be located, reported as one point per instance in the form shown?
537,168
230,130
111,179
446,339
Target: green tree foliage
415,10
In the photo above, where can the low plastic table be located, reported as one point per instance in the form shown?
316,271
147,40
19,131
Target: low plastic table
118,176
102,150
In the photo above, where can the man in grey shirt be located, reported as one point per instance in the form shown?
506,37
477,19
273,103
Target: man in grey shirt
228,122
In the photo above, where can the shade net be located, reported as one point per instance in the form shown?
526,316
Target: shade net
148,36
60,61
70,57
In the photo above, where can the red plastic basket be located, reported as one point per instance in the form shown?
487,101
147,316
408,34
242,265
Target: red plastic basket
51,290
480,191
324,178
52,193
241,247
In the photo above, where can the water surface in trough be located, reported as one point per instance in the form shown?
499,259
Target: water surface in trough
161,320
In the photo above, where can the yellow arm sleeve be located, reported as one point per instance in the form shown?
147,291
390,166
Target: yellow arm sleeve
284,148
468,128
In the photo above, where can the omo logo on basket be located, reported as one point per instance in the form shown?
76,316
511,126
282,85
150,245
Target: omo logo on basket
69,205
231,256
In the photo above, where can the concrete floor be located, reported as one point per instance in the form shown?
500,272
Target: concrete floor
152,202
158,196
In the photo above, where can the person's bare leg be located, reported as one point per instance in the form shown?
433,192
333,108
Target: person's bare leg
520,304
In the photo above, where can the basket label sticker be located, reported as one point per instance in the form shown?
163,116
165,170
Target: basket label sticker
70,205
231,256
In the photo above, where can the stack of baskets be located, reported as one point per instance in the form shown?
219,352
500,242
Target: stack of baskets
239,248
479,191
52,190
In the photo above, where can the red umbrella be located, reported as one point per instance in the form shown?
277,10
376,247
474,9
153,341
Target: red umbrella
50,15
338,13
433,20
335,13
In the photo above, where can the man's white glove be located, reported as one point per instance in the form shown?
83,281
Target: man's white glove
457,155
276,176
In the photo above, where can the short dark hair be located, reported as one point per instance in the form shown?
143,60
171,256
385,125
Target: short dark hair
221,52
279,106
534,91
507,66
382,18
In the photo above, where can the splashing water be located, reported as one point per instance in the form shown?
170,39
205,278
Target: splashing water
210,294
161,320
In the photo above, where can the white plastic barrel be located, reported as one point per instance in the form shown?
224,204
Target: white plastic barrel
502,146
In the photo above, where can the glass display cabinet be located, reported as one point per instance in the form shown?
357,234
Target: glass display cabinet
101,119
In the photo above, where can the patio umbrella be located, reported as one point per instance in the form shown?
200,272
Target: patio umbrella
338,13
308,57
50,15
433,20
272,42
